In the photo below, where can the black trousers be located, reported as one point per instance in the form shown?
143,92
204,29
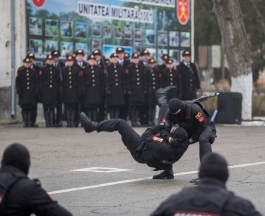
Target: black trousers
206,138
130,138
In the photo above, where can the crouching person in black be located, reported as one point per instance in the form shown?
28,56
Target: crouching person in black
210,197
149,148
20,196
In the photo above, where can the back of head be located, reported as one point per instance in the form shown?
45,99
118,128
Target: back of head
175,104
18,156
180,134
214,166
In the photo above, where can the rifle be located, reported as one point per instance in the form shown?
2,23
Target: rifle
60,96
205,97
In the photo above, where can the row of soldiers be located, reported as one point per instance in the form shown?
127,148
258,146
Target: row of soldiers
100,86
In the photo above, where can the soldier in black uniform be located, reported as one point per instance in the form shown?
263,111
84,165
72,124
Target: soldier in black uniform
145,56
194,119
171,77
147,149
165,58
115,87
124,63
21,196
49,77
27,89
127,57
136,85
31,56
80,63
102,111
92,87
71,88
153,81
59,64
189,76
211,196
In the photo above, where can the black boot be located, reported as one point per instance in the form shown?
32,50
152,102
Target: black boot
68,118
165,174
47,117
28,122
51,114
111,113
24,117
161,94
136,116
89,126
72,118
132,115
153,115
117,113
149,118
94,115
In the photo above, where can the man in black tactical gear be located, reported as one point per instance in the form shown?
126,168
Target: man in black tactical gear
149,148
19,195
210,197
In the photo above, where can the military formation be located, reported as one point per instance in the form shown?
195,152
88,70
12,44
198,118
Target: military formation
102,88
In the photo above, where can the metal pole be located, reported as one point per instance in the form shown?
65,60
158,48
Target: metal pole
223,63
192,31
12,26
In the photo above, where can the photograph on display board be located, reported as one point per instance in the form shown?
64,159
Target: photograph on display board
96,44
185,39
174,54
80,30
109,49
150,36
51,27
117,32
107,32
35,46
66,29
152,52
137,35
180,56
160,52
66,49
38,63
127,33
174,38
83,46
138,47
50,46
162,38
35,26
96,30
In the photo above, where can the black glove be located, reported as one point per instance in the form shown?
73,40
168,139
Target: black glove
168,125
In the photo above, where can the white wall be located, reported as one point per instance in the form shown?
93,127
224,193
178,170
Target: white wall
20,38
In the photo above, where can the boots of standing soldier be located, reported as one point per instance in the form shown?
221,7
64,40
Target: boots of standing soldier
149,117
153,115
136,116
132,114
94,115
165,174
72,118
117,113
68,118
89,126
28,121
161,94
111,113
24,117
51,114
47,117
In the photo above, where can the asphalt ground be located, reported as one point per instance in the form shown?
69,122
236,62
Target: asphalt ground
115,184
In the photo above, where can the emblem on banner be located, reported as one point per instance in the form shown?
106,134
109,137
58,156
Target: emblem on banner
183,11
38,3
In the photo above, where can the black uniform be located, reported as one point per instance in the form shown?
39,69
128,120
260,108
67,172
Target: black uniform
190,81
21,196
136,85
153,82
49,77
162,67
115,89
71,90
80,105
34,111
27,89
172,77
60,65
209,198
195,120
92,90
149,148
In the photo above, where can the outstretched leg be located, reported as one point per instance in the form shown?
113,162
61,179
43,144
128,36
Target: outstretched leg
130,138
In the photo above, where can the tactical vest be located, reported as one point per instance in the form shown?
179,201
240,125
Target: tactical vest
213,204
7,180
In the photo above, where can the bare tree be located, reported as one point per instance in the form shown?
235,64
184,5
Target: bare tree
237,49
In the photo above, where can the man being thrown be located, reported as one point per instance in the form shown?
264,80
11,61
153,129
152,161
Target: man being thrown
149,148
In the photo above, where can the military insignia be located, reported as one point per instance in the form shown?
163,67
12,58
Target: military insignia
187,52
80,73
70,57
16,74
96,51
105,71
126,71
165,57
38,3
158,139
40,72
145,51
30,54
92,56
200,117
164,120
79,51
55,53
183,11
119,48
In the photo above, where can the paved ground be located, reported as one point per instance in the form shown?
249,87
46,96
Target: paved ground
55,152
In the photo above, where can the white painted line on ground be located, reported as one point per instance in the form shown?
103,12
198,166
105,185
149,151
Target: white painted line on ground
142,179
101,169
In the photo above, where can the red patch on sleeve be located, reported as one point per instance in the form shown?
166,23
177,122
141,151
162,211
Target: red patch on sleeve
80,73
164,120
200,117
104,71
126,71
16,74
40,72
160,75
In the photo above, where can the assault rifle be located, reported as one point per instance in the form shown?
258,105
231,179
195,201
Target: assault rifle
205,97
